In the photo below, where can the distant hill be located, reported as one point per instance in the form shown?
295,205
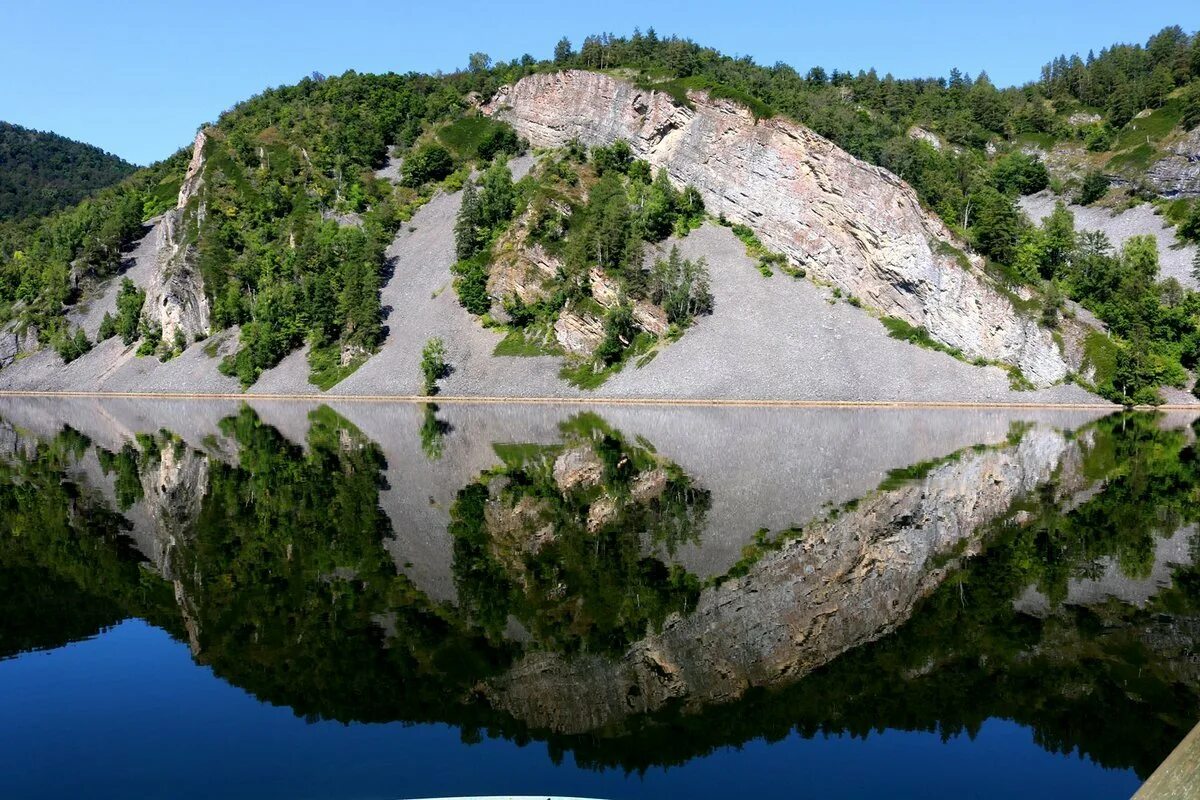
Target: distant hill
43,172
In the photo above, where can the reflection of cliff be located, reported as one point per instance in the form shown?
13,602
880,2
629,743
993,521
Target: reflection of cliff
839,584
574,625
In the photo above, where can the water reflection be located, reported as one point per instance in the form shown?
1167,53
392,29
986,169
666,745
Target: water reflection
635,586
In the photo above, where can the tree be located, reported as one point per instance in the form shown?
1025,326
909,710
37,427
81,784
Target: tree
1196,266
619,331
605,239
1095,186
468,235
433,364
997,224
129,311
615,158
681,287
478,62
497,198
562,51
1058,239
108,328
430,162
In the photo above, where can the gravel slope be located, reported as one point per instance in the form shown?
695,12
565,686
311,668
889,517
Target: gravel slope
138,266
769,339
1174,261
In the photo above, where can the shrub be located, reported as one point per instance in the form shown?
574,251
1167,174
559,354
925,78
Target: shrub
108,328
130,300
1095,186
470,283
433,364
430,162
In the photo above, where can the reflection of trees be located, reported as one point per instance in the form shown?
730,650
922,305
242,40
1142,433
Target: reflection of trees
69,566
295,599
1115,682
558,538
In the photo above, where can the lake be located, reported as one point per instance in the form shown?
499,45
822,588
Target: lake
387,600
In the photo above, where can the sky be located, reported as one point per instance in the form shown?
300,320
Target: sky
138,77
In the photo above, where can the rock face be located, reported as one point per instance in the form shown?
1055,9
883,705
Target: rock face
840,584
1178,175
852,225
175,298
579,333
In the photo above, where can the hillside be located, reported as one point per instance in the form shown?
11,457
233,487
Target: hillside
678,224
41,172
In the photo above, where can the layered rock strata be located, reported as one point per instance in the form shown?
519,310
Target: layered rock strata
850,224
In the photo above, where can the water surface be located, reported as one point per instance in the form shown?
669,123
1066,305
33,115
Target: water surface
376,600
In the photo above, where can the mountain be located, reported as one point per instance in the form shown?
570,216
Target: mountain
41,172
641,218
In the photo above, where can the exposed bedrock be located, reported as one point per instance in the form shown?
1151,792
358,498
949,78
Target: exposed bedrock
852,225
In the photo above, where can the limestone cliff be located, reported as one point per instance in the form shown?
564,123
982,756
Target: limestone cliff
840,584
850,224
175,298
1177,174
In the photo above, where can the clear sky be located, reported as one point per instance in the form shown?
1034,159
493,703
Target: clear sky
137,77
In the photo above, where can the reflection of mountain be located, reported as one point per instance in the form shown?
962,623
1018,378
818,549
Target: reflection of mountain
576,602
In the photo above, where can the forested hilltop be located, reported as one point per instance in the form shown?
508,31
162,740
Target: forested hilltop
283,222
42,172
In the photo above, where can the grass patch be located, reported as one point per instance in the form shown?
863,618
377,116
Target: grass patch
326,369
1139,158
212,348
918,335
464,135
590,375
516,344
1045,141
915,472
1153,127
678,89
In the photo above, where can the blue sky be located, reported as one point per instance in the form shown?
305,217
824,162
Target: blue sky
138,77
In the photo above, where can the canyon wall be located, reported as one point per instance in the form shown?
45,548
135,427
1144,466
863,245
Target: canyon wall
849,224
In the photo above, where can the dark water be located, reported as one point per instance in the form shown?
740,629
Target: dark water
286,600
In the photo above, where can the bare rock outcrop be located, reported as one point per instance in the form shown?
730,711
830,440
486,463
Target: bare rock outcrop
175,298
850,224
1178,173
842,583
578,332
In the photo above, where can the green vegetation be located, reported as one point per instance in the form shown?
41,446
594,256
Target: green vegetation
291,248
1095,186
433,365
286,587
906,332
564,555
44,172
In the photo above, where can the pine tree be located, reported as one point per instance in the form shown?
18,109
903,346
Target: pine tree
468,236
1196,266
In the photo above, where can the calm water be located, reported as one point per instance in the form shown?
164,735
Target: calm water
357,600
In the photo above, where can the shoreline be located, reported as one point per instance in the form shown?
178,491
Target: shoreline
616,401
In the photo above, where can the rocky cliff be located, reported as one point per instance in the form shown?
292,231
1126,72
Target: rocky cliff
840,584
175,298
1178,173
850,224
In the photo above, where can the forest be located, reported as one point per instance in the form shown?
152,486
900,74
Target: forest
43,172
288,169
